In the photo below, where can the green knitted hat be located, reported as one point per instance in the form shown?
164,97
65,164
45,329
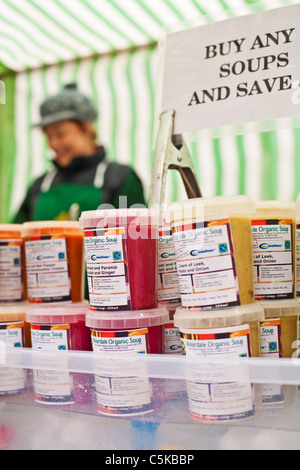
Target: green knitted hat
68,104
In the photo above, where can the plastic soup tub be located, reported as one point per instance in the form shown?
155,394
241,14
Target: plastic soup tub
12,314
59,328
279,330
121,258
14,333
228,333
239,327
138,332
213,246
273,236
54,261
12,279
279,338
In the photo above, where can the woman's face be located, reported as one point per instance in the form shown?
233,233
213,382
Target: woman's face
69,139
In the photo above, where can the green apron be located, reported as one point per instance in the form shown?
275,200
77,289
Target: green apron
67,201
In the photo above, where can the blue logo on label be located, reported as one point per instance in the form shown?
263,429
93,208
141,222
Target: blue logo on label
265,246
95,257
117,255
174,347
41,257
199,252
194,253
273,346
167,255
223,248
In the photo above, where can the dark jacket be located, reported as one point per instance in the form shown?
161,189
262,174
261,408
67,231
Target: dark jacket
105,181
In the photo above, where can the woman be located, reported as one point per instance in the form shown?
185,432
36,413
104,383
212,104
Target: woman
81,178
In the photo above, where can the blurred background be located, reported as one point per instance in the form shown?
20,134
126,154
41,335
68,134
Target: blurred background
112,50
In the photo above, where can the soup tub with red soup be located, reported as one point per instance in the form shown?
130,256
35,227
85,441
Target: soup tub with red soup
121,257
58,329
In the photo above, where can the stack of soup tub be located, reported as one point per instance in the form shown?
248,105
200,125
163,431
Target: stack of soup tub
168,282
169,296
218,317
14,331
124,317
56,311
274,263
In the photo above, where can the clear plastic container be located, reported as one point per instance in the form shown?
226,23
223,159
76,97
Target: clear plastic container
12,264
54,261
213,245
81,427
280,330
273,236
121,256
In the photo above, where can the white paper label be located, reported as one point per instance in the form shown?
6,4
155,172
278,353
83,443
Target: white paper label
168,283
108,279
47,270
133,341
210,397
240,70
118,394
172,339
50,337
52,386
12,380
205,263
270,338
12,334
11,266
231,341
273,265
298,260
124,396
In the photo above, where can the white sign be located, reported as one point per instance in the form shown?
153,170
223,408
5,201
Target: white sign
234,71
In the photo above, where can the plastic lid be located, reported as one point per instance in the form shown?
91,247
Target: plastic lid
276,208
204,207
127,320
46,227
195,318
102,217
11,228
281,308
171,307
51,314
13,312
